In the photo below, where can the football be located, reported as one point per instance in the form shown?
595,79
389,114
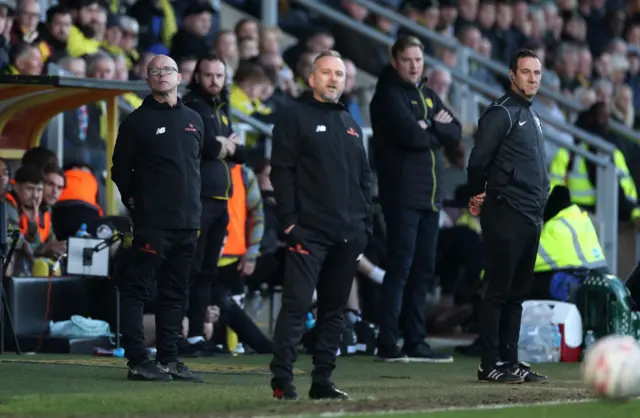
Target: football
611,367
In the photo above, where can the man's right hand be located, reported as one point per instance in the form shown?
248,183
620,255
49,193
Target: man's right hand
55,248
422,124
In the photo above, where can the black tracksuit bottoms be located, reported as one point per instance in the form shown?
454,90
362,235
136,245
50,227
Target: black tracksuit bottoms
160,259
213,230
329,267
511,244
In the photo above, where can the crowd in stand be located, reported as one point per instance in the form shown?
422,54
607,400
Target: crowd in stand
591,51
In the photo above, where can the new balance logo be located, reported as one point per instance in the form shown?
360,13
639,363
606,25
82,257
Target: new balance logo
160,131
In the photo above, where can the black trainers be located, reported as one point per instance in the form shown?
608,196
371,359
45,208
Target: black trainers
178,371
147,371
423,353
201,349
523,370
391,355
286,392
499,373
327,391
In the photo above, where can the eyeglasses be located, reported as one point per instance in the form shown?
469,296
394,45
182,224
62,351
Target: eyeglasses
162,71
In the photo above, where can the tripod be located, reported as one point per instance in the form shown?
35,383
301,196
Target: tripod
5,258
87,255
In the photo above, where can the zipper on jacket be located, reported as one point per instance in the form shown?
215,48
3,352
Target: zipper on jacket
433,156
226,170
216,112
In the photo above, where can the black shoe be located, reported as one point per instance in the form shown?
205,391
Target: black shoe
147,371
423,353
391,355
326,391
523,370
499,373
472,350
179,371
286,392
186,349
201,349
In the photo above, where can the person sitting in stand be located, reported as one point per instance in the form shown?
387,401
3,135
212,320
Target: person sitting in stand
37,243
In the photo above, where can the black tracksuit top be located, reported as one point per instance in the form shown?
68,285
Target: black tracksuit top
508,159
319,170
156,161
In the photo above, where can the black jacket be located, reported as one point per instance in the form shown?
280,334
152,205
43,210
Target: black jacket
509,156
156,161
214,111
319,170
408,158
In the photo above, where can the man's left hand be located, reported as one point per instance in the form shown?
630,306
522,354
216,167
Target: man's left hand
443,117
246,267
475,203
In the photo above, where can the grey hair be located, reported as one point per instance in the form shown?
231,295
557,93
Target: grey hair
94,59
565,48
66,61
130,24
603,82
437,68
330,53
548,7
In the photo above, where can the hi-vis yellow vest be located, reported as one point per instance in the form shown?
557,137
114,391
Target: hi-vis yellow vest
583,193
569,240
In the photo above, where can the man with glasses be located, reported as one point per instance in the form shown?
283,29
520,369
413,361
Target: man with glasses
156,166
209,98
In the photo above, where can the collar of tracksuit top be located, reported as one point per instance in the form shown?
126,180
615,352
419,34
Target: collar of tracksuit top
222,98
519,99
390,76
150,101
307,97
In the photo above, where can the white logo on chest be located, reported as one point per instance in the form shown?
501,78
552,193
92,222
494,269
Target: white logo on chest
539,123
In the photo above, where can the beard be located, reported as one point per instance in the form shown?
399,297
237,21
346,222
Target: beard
88,31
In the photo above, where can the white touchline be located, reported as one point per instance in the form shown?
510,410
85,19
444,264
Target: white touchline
433,410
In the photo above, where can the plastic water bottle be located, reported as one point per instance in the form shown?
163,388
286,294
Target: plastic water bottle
589,339
82,232
557,344
310,322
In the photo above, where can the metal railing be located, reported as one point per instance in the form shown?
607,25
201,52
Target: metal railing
492,65
606,187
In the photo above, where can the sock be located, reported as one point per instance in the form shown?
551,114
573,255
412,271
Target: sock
377,275
195,340
353,317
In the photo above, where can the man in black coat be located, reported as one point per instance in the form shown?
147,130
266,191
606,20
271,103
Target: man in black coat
410,126
208,97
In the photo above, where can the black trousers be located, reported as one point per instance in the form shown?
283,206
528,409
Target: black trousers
159,259
315,263
213,230
412,236
511,244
